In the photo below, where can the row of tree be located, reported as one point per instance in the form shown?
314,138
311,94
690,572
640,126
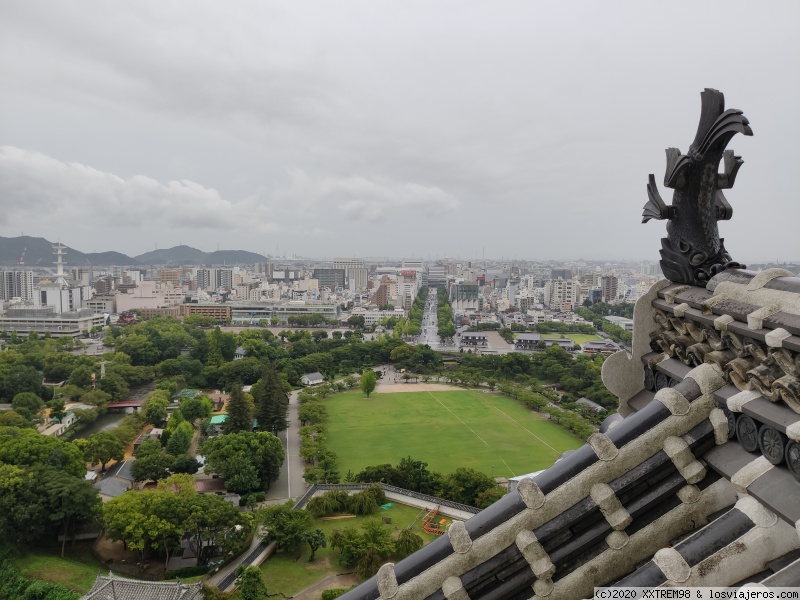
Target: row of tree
464,485
596,313
321,463
444,315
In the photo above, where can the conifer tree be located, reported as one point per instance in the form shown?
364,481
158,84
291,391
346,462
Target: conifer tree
271,403
240,411
214,356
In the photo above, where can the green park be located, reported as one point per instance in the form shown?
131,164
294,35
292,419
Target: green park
487,432
498,416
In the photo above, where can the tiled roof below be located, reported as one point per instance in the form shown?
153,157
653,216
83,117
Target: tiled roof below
112,587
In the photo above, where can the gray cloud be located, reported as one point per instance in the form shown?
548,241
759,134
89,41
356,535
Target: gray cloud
359,198
313,125
40,189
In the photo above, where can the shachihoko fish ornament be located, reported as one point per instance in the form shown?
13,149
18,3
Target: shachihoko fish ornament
692,253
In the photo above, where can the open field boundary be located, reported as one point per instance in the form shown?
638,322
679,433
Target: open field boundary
409,497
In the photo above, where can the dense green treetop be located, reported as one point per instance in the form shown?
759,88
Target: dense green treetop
11,418
284,525
155,520
251,586
249,461
27,447
103,447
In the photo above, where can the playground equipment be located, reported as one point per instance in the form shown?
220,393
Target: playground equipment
436,528
419,514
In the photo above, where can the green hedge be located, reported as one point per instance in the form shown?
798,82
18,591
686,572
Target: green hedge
334,593
14,584
186,572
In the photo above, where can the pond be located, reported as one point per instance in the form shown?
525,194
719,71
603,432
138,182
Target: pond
104,422
111,419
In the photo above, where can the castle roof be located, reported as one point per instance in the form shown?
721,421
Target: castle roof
693,483
113,587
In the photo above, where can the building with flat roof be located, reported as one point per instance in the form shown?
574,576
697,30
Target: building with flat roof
101,303
561,294
356,274
375,317
16,284
609,285
149,294
219,312
27,319
464,296
330,278
624,322
250,313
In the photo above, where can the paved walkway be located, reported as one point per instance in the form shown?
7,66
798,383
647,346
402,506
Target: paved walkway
290,483
255,555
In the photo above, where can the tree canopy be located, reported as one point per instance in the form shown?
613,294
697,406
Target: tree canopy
103,447
368,382
249,461
155,520
27,447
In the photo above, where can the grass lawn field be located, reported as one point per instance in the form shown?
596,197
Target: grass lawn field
77,571
288,573
447,429
580,338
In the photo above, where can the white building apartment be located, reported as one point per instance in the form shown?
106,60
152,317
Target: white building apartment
374,317
62,298
561,294
149,294
16,284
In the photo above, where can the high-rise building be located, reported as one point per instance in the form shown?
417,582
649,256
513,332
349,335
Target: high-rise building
609,285
213,279
357,278
330,278
561,274
560,294
80,275
381,296
16,284
172,276
104,285
417,264
203,279
354,271
437,275
224,278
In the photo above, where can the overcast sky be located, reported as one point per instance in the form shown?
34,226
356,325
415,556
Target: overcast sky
432,129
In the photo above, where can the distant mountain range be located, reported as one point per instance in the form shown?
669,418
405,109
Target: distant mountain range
32,251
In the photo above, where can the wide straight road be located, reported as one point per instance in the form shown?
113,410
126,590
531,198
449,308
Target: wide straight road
430,325
290,483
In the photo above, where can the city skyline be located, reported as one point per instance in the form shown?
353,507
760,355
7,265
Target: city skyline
527,130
